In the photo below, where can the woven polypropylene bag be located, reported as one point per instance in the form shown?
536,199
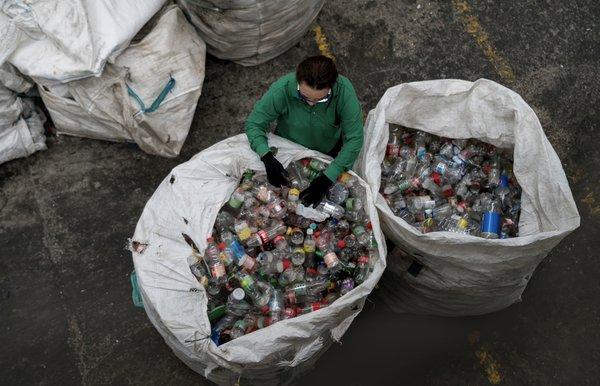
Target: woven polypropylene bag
187,201
463,274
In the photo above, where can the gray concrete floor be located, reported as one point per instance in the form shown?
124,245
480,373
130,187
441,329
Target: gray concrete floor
66,315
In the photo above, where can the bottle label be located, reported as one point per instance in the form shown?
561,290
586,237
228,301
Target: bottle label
244,233
392,149
350,204
308,248
263,236
235,203
217,270
331,259
491,223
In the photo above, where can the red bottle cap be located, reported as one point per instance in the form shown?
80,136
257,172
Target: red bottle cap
265,309
286,264
311,272
305,161
315,306
363,259
278,238
221,246
369,226
289,312
341,244
437,178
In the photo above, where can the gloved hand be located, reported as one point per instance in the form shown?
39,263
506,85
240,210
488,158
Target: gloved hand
276,174
313,195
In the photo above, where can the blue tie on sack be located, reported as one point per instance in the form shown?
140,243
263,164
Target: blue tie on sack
135,291
161,97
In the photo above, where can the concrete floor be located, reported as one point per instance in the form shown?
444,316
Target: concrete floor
66,315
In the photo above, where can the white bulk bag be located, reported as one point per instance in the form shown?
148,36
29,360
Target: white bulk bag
59,41
148,95
462,274
21,127
250,32
187,201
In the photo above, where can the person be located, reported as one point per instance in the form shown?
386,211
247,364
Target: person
314,107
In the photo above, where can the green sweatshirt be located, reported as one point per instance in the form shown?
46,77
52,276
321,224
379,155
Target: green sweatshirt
317,127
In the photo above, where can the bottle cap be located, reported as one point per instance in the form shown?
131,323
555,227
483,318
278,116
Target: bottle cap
369,226
363,259
341,244
221,246
265,309
278,238
238,294
309,231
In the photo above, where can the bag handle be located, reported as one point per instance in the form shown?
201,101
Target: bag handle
159,99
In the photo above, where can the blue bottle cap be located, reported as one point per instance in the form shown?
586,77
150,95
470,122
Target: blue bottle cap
504,181
313,226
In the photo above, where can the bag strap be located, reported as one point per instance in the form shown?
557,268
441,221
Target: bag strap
159,99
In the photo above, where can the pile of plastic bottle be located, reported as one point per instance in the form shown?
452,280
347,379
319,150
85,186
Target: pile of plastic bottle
454,185
270,258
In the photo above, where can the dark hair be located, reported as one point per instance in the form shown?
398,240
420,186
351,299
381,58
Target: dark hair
318,72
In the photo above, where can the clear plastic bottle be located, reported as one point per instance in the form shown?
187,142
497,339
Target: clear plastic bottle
298,256
296,237
215,265
291,274
317,165
315,306
266,235
280,243
309,242
239,329
297,179
331,208
418,203
298,290
256,290
225,254
393,145
276,306
277,208
236,305
338,193
362,269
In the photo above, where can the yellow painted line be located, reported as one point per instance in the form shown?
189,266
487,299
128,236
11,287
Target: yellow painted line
321,40
476,30
486,359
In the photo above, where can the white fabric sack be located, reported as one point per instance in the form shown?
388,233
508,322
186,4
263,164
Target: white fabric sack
462,274
21,127
59,41
187,201
164,71
250,32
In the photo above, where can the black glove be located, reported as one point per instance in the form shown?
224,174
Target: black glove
276,174
313,195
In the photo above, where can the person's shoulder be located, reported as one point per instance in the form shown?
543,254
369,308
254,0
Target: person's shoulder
344,85
283,83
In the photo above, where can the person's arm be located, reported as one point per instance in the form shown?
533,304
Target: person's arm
265,111
352,130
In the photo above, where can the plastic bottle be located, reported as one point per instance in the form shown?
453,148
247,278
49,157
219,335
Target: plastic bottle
215,265
236,305
241,258
277,208
242,230
225,254
280,243
254,289
394,142
266,235
309,242
297,179
317,165
297,237
291,274
224,323
346,286
276,306
331,208
362,269
491,221
309,308
238,329
338,193
293,195
296,291
298,256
